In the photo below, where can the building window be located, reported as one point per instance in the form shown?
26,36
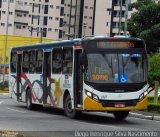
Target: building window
49,29
25,3
91,8
56,30
9,25
85,17
56,18
106,23
10,13
86,7
62,1
11,1
57,7
51,6
3,12
61,22
2,24
18,26
90,17
90,27
50,18
19,15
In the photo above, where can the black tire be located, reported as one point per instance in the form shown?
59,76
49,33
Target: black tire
71,113
29,104
120,115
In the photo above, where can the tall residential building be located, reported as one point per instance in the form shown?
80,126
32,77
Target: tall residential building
32,18
95,17
60,19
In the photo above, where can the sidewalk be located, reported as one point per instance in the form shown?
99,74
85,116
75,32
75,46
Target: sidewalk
145,115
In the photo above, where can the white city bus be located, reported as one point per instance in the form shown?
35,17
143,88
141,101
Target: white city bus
91,74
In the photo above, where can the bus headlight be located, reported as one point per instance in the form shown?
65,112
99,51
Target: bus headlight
143,95
92,96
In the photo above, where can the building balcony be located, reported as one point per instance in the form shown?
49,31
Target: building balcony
22,11
21,23
116,19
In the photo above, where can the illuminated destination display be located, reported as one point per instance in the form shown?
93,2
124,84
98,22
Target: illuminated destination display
112,44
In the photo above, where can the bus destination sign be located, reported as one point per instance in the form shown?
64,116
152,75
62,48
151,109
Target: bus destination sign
115,44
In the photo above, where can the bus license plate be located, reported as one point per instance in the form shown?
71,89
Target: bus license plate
119,105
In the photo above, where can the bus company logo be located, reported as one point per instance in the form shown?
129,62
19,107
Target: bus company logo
104,97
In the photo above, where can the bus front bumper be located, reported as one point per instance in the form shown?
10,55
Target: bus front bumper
92,105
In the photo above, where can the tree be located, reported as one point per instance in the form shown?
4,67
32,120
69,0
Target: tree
154,74
145,23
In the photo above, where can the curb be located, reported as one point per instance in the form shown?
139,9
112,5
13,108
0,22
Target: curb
148,117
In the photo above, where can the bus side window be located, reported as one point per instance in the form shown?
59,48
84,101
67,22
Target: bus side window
13,62
32,61
39,59
67,60
25,64
57,61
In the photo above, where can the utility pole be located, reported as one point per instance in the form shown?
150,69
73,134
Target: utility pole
6,40
41,35
120,18
126,17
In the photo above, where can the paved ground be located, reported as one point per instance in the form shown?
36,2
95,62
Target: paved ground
50,122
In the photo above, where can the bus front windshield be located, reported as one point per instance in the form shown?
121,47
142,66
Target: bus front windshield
116,68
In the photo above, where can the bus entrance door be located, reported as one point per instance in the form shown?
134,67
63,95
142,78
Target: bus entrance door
78,80
46,76
19,66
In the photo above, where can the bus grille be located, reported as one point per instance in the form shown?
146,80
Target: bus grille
112,103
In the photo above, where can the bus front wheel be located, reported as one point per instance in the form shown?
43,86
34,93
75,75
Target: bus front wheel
71,113
120,115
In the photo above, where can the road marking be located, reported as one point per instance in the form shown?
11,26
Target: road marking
15,110
1,102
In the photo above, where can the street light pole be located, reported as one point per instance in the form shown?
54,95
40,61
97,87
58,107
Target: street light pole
120,18
6,40
126,17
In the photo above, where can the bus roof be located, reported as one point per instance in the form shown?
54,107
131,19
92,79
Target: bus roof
47,45
67,43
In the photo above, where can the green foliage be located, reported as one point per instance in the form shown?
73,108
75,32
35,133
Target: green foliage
145,23
154,107
151,100
154,71
4,85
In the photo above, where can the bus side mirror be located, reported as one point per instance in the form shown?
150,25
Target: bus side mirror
83,60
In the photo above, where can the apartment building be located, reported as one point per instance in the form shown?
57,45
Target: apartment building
61,19
32,18
95,17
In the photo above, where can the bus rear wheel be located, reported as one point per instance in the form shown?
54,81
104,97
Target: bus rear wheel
71,113
29,100
120,115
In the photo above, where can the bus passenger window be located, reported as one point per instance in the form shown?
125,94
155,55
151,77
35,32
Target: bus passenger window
13,62
25,64
57,61
32,63
67,60
39,59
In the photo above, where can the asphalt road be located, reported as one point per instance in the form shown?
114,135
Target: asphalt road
50,122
